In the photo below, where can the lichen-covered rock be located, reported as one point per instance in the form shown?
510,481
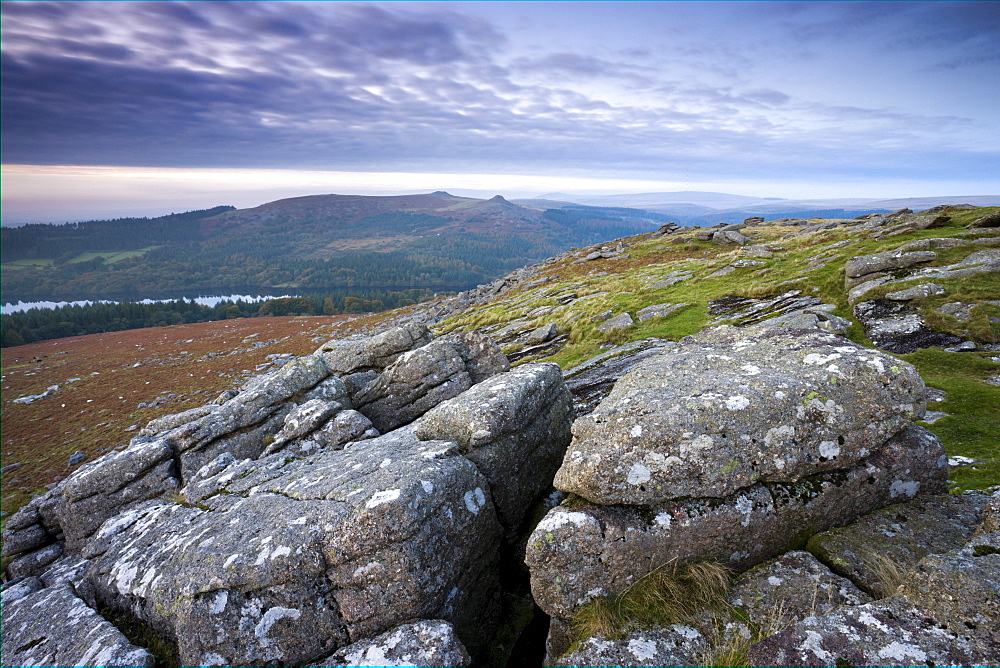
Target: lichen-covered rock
790,588
961,590
245,443
515,427
901,535
413,384
921,291
113,483
991,516
890,632
157,426
421,643
730,407
257,400
19,588
80,638
301,420
581,550
676,645
285,559
26,539
617,323
482,357
898,328
869,264
729,238
34,563
344,427
591,381
372,353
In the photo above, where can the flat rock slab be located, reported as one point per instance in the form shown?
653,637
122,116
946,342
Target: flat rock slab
897,327
961,589
580,550
790,588
617,323
422,643
902,534
730,407
869,264
677,645
80,638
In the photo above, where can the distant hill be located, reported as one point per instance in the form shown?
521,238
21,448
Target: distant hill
710,208
434,240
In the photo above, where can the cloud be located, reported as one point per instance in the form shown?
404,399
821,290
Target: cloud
427,87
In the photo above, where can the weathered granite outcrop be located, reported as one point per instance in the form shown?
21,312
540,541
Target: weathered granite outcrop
53,627
676,645
898,536
583,550
279,527
792,587
741,406
944,613
422,378
513,427
734,445
422,643
373,353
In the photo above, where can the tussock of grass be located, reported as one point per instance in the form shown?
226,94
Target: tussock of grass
887,573
668,595
729,647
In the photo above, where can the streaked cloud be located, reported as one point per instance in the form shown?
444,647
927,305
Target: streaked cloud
649,91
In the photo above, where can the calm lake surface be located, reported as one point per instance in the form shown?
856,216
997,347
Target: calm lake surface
204,301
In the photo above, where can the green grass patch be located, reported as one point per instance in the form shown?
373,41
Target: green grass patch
972,428
963,218
34,262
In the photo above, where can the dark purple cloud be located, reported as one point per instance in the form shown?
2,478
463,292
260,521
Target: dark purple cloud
433,87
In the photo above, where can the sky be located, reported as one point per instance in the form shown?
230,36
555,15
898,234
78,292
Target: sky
117,108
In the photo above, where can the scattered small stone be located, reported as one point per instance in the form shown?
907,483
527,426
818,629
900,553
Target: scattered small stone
930,417
958,310
77,457
921,291
658,311
993,380
964,347
619,322
959,460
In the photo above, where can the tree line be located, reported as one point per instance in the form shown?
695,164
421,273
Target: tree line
39,324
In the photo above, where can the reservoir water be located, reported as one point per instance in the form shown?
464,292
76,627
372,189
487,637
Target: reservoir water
203,300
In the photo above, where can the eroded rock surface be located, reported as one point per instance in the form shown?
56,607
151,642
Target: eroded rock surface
423,643
279,526
53,627
585,550
740,406
899,536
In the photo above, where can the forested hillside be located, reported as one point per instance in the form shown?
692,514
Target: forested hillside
434,241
